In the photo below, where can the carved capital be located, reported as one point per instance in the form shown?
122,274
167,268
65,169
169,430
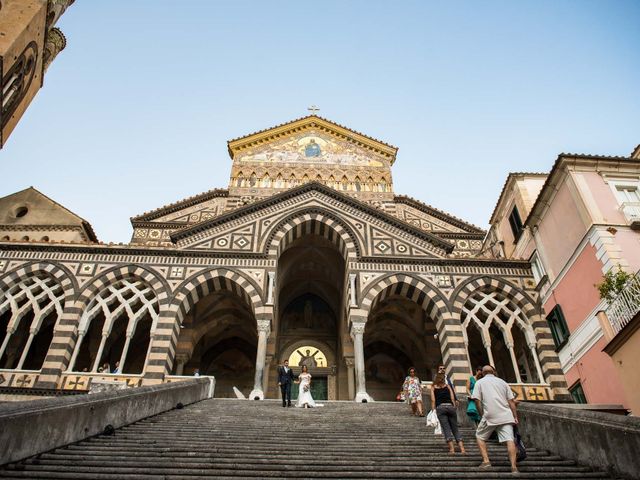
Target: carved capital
349,362
357,328
264,326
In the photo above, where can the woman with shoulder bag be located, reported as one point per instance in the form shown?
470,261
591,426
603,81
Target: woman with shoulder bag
443,400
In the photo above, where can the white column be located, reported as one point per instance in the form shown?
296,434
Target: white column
264,328
350,376
96,362
534,354
32,333
352,290
125,350
486,341
516,370
270,287
265,376
76,351
357,333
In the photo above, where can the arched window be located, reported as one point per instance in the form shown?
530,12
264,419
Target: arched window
382,186
305,178
279,181
497,332
28,314
253,179
357,184
369,186
292,180
240,180
332,182
345,183
117,327
266,181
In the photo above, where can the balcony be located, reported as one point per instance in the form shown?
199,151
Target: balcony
631,211
626,305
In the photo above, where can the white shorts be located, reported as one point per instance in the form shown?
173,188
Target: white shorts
505,431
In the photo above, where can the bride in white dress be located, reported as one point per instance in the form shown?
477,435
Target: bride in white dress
304,391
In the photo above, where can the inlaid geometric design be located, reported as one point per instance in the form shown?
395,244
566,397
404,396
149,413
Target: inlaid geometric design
383,247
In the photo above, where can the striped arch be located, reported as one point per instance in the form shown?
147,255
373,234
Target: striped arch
60,274
66,333
313,221
416,289
39,287
531,310
163,350
437,307
128,272
523,301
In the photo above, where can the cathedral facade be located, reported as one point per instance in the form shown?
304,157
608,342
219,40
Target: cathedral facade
308,256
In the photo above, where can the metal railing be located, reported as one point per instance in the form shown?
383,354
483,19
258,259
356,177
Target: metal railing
626,305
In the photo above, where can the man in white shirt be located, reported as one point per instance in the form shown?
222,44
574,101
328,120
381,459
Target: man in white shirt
495,402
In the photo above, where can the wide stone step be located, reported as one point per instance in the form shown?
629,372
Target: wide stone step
293,472
261,440
161,459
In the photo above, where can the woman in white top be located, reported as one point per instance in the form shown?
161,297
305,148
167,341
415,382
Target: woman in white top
304,392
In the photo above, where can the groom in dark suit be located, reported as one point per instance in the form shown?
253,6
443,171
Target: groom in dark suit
285,379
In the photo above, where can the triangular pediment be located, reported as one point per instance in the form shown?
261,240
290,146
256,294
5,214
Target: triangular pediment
311,139
251,228
30,209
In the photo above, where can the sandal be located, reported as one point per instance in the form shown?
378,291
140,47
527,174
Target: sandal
484,465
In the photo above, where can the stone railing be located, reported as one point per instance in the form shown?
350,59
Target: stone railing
626,305
29,428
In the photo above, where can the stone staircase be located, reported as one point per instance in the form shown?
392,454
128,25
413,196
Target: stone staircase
241,439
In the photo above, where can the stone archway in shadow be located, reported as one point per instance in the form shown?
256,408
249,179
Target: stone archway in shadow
398,335
219,337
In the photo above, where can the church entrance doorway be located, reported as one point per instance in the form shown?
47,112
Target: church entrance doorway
309,318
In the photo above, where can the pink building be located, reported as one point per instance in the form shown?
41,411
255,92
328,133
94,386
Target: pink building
575,224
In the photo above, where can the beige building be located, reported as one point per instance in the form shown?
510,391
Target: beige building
30,41
308,255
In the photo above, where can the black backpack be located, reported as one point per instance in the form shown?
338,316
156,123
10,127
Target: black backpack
522,450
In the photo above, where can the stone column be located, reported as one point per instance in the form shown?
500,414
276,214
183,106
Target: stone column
96,362
181,360
32,333
125,351
264,328
270,287
349,361
352,290
516,370
76,351
357,333
265,376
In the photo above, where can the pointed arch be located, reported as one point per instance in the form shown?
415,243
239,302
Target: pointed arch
312,221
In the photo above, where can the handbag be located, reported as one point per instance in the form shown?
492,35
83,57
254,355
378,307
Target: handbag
472,411
521,453
432,421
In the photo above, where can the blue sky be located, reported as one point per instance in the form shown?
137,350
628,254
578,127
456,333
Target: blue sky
136,112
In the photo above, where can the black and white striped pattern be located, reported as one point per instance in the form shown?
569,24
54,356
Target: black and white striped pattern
545,347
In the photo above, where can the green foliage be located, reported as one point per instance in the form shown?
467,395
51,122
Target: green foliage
613,282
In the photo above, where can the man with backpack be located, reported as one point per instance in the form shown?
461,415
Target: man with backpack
495,403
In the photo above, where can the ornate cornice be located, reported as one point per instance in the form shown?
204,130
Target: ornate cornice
313,121
439,214
172,252
330,192
461,235
180,205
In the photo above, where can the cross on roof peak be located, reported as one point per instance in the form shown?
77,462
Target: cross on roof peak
313,109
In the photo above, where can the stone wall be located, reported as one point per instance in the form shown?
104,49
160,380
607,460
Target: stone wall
29,428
